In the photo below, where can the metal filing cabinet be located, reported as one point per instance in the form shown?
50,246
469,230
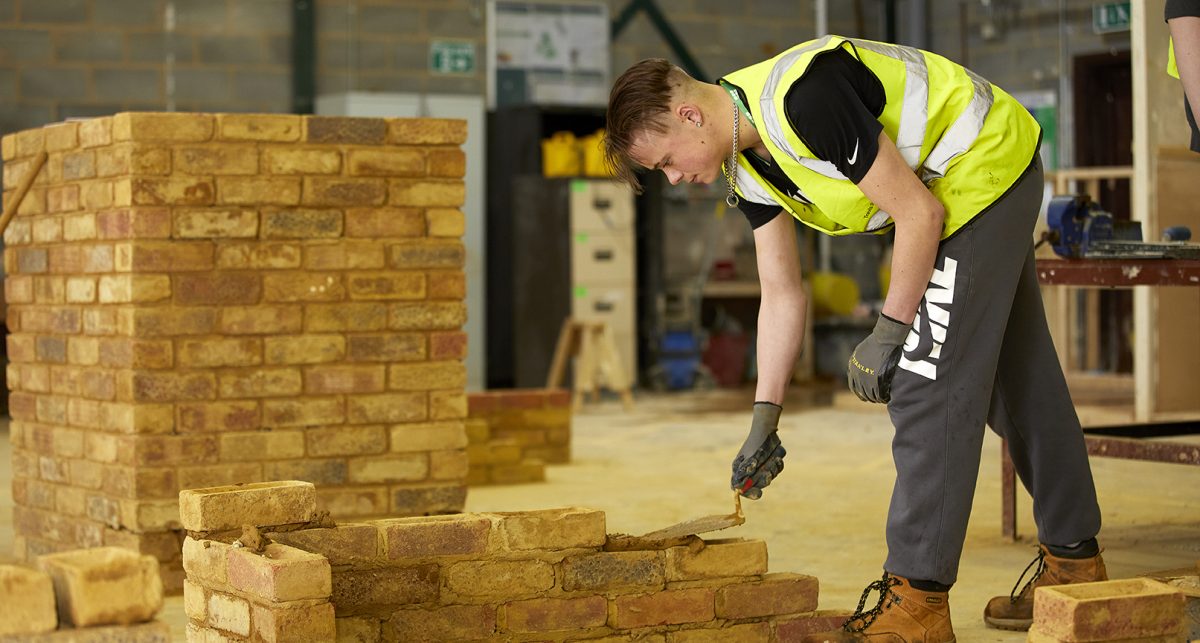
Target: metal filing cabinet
603,261
573,254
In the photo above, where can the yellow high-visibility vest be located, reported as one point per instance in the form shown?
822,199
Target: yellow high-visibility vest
1172,68
966,139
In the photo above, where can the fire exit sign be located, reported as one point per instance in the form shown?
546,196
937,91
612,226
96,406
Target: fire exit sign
452,57
1110,17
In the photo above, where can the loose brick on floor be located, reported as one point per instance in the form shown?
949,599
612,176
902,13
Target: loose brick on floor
26,601
104,586
1108,610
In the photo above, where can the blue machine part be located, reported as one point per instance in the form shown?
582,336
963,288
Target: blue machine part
1076,222
680,358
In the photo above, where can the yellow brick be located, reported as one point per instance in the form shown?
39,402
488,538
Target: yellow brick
258,190
331,191
347,254
8,147
30,142
84,351
174,190
391,468
258,255
346,440
257,320
307,411
122,289
428,436
216,159
345,317
304,349
387,407
448,465
427,131
61,136
260,445
163,256
450,163
301,223
18,233
445,222
95,132
95,195
263,382
216,223
19,290
214,417
427,376
205,353
386,285
49,290
303,286
259,127
178,127
79,227
47,230
376,223
387,162
133,158
289,160
418,193
62,198
344,379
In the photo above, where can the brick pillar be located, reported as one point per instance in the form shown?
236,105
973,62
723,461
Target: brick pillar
199,300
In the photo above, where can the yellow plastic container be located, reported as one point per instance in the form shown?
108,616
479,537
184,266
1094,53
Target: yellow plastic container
560,155
833,294
594,163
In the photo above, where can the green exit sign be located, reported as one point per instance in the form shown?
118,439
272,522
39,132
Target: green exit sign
452,57
1111,17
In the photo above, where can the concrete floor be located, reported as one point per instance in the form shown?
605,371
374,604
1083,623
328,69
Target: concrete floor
668,461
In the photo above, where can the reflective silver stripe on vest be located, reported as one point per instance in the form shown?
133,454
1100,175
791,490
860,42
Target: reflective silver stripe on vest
751,190
961,135
878,221
766,102
914,113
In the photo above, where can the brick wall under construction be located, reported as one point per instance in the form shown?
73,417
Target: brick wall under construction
200,299
548,575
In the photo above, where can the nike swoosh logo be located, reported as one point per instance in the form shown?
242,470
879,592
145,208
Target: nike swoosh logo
854,156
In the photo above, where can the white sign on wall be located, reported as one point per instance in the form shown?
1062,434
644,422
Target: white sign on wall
547,53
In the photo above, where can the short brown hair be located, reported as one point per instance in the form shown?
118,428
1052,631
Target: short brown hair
638,97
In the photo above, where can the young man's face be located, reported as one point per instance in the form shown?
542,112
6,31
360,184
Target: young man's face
685,153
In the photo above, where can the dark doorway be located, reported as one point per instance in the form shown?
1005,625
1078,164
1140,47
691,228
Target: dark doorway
1103,101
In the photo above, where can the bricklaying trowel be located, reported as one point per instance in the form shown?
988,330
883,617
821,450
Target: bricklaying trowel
702,525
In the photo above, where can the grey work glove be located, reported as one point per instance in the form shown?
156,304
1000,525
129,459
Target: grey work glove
761,456
873,362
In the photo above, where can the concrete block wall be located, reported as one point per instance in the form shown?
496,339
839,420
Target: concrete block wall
200,299
526,576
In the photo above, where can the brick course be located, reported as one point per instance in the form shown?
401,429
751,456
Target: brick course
526,576
201,300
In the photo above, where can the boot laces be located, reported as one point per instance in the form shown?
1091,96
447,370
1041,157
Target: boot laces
862,619
1040,561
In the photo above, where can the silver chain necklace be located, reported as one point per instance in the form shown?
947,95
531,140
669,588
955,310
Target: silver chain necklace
731,199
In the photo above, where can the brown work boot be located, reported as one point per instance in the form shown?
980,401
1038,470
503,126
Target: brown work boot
903,614
1015,611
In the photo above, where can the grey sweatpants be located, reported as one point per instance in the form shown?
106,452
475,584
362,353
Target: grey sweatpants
980,352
